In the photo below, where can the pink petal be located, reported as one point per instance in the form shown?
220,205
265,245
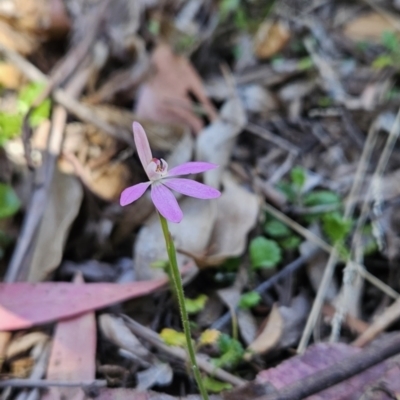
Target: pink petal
142,144
191,188
132,193
193,167
166,203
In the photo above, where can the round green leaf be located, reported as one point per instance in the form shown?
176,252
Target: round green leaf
264,253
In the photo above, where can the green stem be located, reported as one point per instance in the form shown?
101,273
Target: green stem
177,282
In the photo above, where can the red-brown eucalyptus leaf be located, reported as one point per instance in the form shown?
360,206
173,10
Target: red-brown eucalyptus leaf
23,305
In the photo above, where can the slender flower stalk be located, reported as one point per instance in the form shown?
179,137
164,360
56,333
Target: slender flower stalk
161,181
177,282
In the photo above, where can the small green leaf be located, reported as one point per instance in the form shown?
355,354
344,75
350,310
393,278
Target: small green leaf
231,352
214,386
383,61
26,98
305,63
172,337
336,227
227,6
249,300
276,229
193,306
9,201
10,126
290,243
40,113
264,253
321,198
298,176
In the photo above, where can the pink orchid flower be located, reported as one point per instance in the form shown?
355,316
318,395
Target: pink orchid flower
162,180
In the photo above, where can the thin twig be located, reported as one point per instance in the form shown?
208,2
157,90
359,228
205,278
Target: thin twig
154,339
334,253
42,383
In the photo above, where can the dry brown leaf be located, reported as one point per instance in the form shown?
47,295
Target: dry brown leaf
166,96
62,207
22,367
89,153
10,76
368,26
270,38
270,334
216,141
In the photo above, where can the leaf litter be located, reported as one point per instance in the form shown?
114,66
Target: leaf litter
297,103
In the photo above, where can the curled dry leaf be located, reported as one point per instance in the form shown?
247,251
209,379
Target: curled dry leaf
114,329
166,96
24,343
270,334
73,356
271,38
283,327
216,141
89,153
62,207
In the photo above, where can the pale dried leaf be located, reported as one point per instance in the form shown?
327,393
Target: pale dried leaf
237,213
159,374
117,332
368,26
270,334
247,326
62,207
215,143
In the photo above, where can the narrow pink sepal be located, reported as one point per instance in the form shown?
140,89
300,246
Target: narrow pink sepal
132,193
193,167
166,203
142,144
191,188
